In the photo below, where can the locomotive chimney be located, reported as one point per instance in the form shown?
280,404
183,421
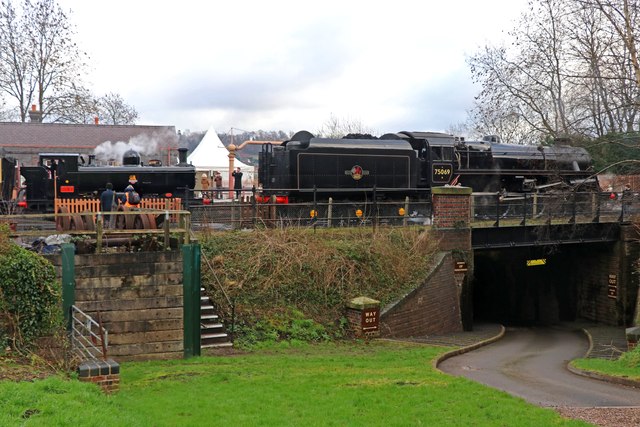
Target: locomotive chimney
34,115
182,156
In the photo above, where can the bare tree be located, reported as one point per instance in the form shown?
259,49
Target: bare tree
57,61
526,78
5,113
623,17
570,68
77,106
336,127
17,79
40,64
114,111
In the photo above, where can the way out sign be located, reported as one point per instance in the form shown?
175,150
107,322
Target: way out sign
612,288
370,319
536,262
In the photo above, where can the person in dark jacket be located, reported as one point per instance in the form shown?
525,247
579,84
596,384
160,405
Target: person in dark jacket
217,179
237,182
108,203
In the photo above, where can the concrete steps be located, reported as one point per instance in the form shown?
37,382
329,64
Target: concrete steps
213,333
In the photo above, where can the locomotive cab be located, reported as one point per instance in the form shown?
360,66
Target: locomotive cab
40,179
436,152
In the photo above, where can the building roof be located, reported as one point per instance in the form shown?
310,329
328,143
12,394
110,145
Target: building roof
71,136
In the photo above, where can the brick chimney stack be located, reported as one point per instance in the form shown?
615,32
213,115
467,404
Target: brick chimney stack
34,115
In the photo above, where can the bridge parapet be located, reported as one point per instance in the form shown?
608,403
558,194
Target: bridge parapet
451,207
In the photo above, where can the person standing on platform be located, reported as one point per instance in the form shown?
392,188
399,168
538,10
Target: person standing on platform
218,181
205,183
237,182
108,203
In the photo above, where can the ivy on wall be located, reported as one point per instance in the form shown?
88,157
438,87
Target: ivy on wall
29,295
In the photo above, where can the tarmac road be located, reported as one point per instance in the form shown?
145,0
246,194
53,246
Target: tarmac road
531,363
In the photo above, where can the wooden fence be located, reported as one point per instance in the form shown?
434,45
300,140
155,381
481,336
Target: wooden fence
93,205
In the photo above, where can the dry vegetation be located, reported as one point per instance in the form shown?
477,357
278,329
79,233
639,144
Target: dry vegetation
271,272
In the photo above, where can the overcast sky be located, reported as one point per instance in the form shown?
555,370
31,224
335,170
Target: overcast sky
289,65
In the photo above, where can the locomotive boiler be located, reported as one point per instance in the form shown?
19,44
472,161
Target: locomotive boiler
65,176
409,164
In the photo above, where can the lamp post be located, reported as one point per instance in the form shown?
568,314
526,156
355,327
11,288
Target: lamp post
232,156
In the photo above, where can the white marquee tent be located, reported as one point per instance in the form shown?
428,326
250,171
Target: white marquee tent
211,155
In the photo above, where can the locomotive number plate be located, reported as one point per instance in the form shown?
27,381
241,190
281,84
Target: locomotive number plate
441,173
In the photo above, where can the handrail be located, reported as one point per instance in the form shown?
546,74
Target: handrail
224,293
84,339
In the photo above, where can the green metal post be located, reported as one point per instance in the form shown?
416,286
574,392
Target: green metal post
68,281
191,288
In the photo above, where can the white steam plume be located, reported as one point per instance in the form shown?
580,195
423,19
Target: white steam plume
144,144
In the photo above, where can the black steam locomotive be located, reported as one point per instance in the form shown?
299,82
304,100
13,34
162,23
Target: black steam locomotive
408,164
65,176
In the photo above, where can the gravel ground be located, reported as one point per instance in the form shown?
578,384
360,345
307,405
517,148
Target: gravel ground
604,417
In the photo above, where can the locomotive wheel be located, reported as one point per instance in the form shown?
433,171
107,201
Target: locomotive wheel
129,220
139,222
76,223
146,221
63,221
120,220
152,221
89,222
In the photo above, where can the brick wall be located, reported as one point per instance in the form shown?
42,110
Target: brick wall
140,300
594,300
451,207
431,308
630,237
592,285
104,373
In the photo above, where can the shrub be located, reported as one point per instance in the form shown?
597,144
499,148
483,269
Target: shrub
631,359
290,325
29,295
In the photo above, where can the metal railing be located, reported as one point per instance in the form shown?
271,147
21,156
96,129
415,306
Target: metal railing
363,208
88,337
500,209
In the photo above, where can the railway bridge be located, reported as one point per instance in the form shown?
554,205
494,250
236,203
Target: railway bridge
542,268
513,259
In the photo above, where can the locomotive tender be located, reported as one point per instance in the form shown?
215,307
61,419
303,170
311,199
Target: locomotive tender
64,176
408,164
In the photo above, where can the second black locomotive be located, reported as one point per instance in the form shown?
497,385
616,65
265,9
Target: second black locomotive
410,163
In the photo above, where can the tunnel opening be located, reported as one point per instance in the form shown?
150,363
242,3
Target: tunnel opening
537,285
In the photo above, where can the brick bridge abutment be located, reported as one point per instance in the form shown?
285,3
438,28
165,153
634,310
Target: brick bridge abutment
600,278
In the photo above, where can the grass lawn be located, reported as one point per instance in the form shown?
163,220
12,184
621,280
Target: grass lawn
608,367
375,384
